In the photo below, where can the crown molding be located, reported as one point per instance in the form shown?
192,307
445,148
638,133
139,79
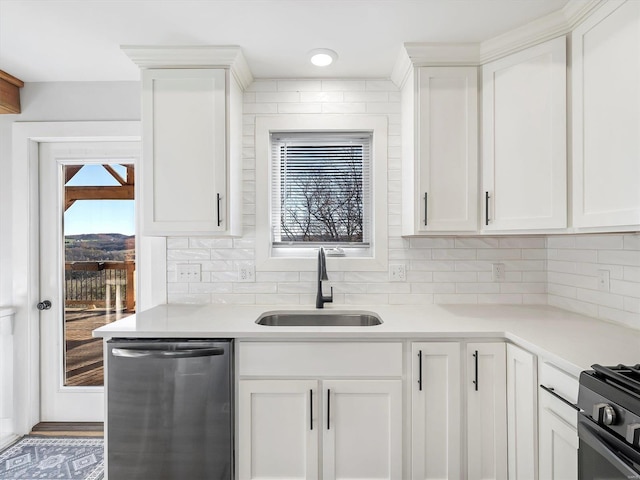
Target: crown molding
433,55
555,24
199,56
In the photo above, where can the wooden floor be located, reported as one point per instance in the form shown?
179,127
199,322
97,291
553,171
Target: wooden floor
69,429
84,361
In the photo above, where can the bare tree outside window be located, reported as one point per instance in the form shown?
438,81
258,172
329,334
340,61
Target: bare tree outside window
323,204
322,189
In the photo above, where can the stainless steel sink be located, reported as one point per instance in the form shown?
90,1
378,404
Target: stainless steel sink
319,319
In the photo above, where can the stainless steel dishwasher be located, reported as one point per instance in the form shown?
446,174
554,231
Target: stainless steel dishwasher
169,409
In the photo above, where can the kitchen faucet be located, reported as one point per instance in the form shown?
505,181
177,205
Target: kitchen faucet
322,275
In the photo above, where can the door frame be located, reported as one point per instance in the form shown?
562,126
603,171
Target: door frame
151,267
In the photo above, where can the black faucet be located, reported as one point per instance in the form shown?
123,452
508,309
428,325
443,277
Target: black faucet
322,275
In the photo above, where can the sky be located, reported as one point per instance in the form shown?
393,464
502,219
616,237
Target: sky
99,216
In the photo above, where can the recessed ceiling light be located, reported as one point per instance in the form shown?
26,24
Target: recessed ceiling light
322,57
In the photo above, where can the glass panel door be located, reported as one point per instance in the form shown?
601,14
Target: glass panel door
99,262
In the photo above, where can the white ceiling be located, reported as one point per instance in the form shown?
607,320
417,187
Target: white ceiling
79,40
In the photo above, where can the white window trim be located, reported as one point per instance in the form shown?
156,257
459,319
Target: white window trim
265,261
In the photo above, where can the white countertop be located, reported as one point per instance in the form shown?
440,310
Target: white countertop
572,341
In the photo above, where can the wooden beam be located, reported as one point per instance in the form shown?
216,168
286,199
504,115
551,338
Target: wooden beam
9,93
114,174
122,192
70,171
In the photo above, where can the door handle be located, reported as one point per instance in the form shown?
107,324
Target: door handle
218,208
328,409
44,305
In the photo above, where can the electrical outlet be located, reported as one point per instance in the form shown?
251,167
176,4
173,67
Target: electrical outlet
189,272
397,273
603,280
247,273
497,272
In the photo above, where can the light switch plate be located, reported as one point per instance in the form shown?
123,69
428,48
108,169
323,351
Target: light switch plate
189,272
604,284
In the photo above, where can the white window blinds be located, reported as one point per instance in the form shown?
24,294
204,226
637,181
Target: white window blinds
321,188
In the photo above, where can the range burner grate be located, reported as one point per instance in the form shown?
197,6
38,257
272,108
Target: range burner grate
625,376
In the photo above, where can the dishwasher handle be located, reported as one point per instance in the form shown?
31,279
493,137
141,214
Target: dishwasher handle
154,353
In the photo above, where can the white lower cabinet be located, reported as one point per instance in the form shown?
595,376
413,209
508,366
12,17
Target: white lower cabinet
558,425
436,406
362,429
338,420
486,411
522,419
357,423
558,448
278,429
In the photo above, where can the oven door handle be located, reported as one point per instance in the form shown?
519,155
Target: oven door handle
605,445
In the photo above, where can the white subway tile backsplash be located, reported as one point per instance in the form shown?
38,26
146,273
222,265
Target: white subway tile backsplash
343,85
560,270
299,85
632,241
620,257
299,108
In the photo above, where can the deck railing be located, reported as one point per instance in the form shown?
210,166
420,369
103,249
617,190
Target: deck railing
102,284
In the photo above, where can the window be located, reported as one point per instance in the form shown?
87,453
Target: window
321,189
294,155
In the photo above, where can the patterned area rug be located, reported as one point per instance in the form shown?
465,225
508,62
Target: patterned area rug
61,458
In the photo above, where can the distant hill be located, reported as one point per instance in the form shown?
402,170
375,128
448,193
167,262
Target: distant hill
99,246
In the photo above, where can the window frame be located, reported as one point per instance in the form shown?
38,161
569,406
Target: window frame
300,258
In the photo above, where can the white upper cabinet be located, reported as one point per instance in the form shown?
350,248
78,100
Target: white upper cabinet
185,169
191,169
606,117
524,181
440,150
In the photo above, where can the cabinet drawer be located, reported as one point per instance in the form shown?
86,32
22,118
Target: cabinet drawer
562,384
308,359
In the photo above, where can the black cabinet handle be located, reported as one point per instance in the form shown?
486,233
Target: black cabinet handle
475,356
310,409
328,409
486,208
562,399
218,208
425,208
420,370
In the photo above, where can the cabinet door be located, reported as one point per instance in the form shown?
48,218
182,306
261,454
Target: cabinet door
447,149
486,411
362,429
184,151
558,447
606,117
522,418
435,411
524,140
278,429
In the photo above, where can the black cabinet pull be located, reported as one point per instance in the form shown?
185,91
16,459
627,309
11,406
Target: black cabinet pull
328,409
425,208
420,370
486,208
311,409
562,399
475,356
218,208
